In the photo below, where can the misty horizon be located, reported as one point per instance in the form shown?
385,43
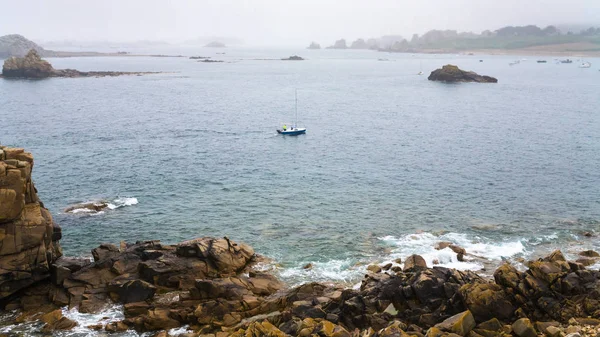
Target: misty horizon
269,22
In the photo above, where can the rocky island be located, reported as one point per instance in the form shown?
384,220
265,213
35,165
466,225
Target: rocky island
293,58
451,73
213,286
34,67
314,45
339,44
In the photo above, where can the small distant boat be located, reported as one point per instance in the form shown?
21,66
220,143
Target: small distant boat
480,60
514,63
585,65
566,61
420,68
541,61
294,130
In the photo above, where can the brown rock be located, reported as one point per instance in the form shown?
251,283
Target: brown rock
487,301
414,261
460,324
374,268
523,328
589,253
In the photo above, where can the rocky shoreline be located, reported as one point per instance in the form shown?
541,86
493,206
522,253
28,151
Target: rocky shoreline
32,66
213,286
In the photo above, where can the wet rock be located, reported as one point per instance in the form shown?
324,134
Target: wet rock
451,73
129,291
415,261
589,253
374,268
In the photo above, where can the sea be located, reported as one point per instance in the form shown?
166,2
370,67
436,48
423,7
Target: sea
390,165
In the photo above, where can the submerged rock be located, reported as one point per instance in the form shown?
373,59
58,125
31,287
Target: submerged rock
451,73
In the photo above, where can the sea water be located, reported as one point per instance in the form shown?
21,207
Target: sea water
391,163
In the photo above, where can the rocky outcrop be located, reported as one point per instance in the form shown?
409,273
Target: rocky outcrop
28,236
210,285
451,73
293,58
32,66
314,45
359,44
339,44
29,66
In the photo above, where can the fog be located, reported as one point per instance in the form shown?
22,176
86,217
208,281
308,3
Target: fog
276,22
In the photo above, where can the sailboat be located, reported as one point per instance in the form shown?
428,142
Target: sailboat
585,64
294,130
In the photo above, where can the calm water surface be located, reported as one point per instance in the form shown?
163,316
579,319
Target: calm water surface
391,162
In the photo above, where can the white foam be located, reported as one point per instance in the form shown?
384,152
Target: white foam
179,331
337,271
122,202
424,244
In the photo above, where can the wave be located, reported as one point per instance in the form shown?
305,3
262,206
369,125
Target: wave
341,271
122,202
481,252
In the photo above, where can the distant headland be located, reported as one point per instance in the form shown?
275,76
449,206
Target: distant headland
529,39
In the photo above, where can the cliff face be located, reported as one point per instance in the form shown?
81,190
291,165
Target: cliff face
28,236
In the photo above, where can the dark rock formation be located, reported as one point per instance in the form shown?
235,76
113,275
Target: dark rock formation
32,66
199,57
451,73
215,44
28,236
293,58
314,45
339,44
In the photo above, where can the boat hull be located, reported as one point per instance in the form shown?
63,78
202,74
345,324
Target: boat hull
294,132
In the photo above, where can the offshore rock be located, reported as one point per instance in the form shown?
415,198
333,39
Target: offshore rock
28,236
451,73
32,66
314,45
29,66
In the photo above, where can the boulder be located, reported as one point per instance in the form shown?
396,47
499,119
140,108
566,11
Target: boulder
487,301
460,324
415,261
451,73
523,328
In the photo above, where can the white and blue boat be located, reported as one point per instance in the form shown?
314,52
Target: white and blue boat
292,130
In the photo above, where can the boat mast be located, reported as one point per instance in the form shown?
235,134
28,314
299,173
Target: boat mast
296,95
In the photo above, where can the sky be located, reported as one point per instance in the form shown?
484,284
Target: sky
276,22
